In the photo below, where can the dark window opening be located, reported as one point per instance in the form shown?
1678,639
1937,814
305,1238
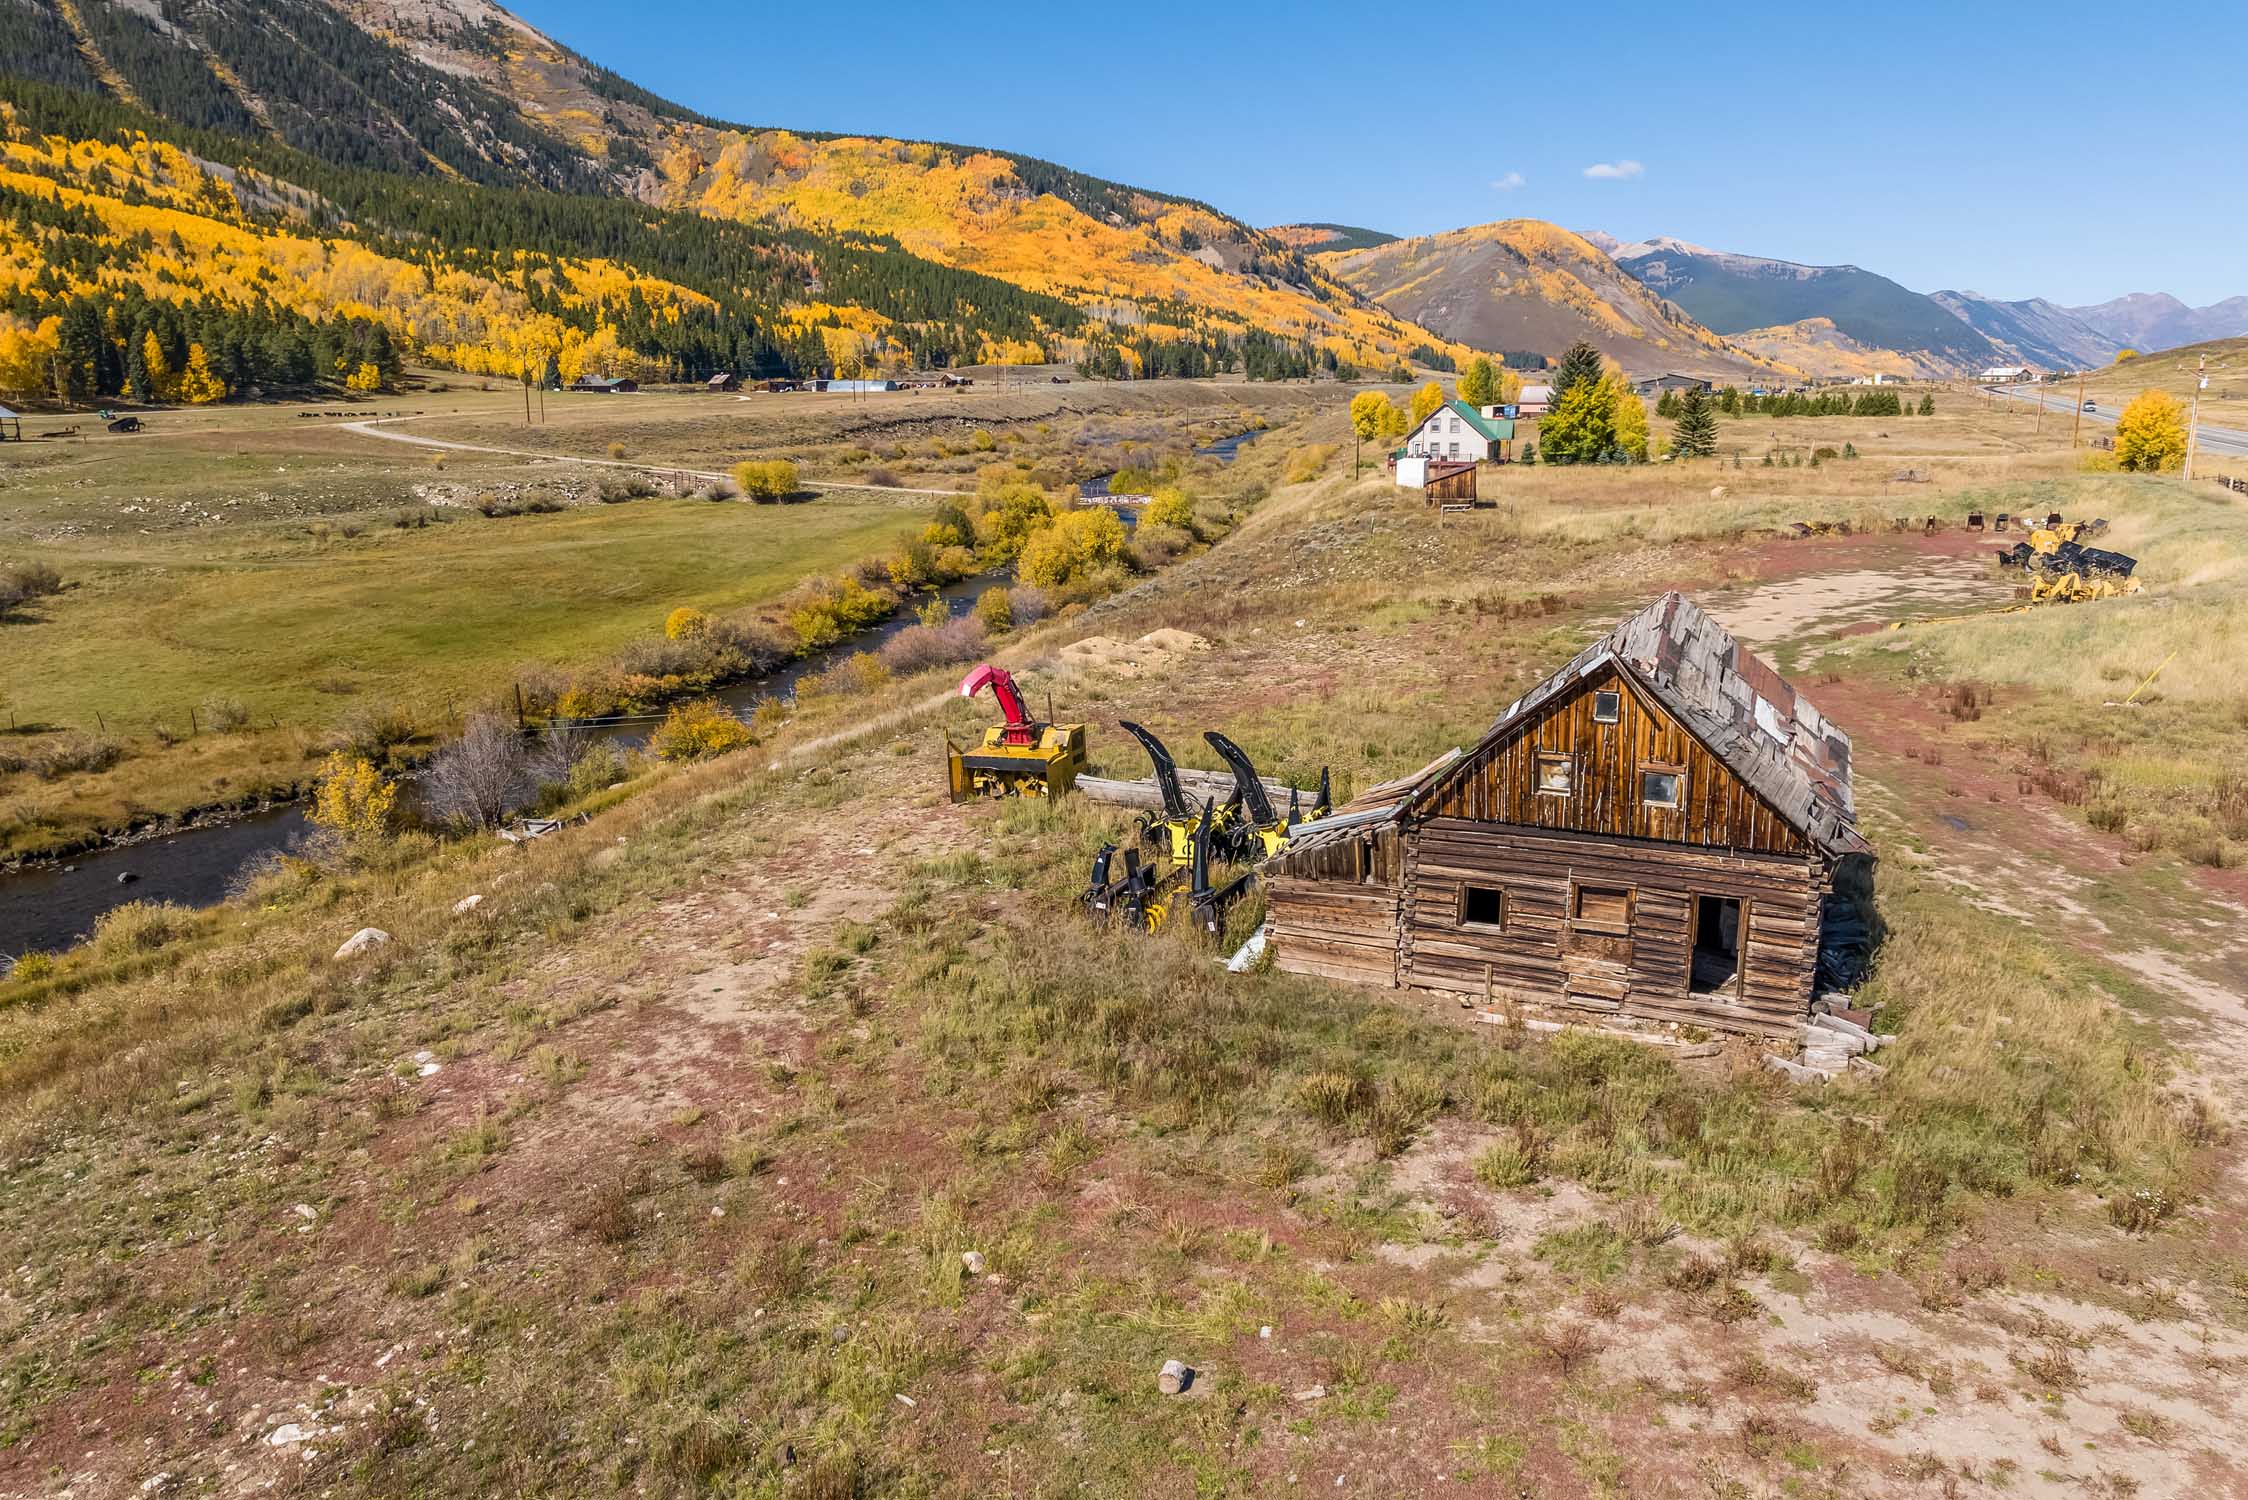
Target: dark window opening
1482,906
1607,708
1716,962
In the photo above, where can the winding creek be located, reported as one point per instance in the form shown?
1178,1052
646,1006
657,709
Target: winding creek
47,907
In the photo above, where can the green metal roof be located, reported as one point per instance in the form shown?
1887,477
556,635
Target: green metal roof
1497,429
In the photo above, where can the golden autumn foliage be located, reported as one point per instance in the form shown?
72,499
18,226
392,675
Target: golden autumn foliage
685,623
697,731
177,233
767,480
973,209
352,798
2150,435
1425,400
197,386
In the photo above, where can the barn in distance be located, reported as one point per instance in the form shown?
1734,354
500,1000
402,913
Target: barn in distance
1662,829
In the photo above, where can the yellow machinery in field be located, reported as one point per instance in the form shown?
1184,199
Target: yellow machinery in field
1022,757
2078,588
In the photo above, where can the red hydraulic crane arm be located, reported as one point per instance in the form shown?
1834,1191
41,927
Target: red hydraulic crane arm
1020,731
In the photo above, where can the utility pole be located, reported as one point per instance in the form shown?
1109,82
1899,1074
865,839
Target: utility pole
2079,427
2193,415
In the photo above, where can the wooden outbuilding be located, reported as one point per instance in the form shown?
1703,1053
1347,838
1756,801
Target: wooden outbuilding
1662,829
724,380
1449,482
11,426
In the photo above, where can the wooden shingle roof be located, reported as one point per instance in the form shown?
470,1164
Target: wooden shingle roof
1749,716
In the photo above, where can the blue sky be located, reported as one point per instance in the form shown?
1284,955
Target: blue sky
2057,150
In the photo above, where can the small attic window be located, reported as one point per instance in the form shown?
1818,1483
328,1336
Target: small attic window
1662,786
1556,774
1607,708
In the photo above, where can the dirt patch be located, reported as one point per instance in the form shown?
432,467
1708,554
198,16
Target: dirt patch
1830,602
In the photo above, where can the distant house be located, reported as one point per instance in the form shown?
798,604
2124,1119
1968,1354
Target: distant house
1536,400
1457,430
1656,385
2004,374
9,419
724,380
860,385
604,385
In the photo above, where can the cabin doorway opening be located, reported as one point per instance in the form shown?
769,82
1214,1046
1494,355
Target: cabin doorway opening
1716,963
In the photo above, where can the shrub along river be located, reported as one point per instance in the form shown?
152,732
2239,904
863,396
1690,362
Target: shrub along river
46,907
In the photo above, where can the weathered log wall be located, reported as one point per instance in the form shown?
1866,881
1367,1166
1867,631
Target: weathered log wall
1333,907
1543,952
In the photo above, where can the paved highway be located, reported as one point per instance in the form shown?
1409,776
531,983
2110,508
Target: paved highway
2225,440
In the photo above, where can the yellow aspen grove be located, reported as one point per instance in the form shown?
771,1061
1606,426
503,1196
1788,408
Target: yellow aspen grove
365,378
1425,400
198,384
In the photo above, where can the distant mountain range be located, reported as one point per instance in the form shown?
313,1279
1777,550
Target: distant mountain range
2149,321
2035,332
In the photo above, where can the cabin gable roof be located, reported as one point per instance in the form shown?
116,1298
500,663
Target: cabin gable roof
1749,718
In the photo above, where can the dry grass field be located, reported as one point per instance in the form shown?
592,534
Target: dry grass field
779,1132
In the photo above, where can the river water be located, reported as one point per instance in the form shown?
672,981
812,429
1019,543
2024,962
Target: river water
47,907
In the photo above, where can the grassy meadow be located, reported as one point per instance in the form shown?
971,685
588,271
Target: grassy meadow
253,559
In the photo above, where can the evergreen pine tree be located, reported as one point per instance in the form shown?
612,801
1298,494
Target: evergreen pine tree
137,379
1579,362
1695,436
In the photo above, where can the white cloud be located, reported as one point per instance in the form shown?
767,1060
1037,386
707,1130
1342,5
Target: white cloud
1508,183
1614,171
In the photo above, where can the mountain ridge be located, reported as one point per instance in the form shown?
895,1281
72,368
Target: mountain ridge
1530,285
2153,321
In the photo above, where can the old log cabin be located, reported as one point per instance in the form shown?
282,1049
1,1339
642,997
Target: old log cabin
1660,829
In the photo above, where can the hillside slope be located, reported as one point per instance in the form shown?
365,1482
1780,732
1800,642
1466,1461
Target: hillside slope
1524,284
1734,294
1318,237
463,90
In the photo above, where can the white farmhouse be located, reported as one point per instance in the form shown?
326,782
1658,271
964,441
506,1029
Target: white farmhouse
1458,430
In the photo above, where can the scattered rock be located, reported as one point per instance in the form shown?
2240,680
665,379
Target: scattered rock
1794,1070
1174,1377
1312,1393
973,1260
1717,492
126,877
467,904
288,1434
362,940
429,1070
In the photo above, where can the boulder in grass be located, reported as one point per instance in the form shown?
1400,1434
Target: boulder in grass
360,941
